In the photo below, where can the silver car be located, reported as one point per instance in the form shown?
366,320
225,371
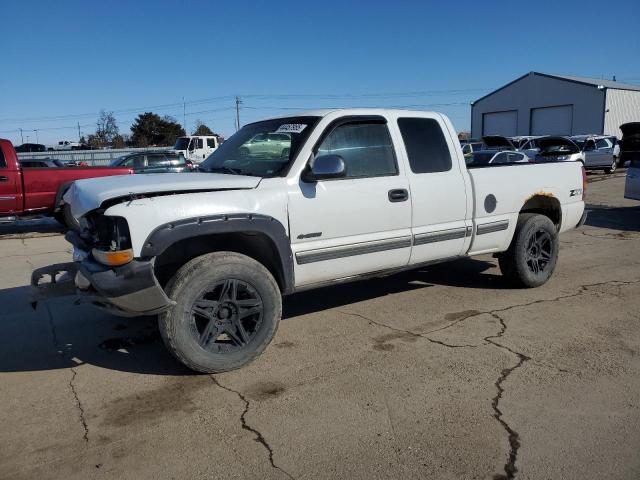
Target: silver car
598,152
495,157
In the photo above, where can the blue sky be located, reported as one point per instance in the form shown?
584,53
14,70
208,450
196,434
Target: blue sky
64,61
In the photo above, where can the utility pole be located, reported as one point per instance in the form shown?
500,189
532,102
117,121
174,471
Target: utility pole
21,139
184,116
36,130
238,102
79,136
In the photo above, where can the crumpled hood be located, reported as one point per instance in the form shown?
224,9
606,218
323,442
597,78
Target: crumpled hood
497,141
89,194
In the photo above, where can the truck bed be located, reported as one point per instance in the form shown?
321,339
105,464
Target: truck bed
501,190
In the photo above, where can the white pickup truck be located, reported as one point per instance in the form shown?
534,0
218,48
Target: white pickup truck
362,192
196,147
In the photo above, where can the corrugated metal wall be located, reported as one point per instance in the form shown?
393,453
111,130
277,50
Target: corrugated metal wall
622,106
536,91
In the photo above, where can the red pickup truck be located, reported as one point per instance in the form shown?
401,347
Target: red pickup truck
39,191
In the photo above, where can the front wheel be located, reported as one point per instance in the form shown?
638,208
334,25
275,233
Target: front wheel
533,253
227,311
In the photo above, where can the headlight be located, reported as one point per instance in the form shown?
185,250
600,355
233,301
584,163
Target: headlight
113,245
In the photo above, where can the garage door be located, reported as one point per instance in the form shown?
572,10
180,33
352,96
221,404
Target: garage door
500,123
552,120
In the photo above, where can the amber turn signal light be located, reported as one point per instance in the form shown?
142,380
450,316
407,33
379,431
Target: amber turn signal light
113,259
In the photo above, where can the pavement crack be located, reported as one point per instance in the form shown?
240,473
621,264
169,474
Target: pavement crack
513,436
79,406
582,289
259,437
60,351
408,332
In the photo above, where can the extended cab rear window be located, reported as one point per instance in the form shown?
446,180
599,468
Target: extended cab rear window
426,146
3,162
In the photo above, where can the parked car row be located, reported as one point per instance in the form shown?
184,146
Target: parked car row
596,152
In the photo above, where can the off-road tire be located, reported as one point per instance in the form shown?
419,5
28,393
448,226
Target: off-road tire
196,276
513,262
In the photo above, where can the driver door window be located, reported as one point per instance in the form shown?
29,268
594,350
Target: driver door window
366,149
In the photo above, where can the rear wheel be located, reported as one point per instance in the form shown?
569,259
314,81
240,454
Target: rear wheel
612,168
227,311
533,253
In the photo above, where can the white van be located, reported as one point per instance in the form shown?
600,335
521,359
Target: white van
630,150
196,147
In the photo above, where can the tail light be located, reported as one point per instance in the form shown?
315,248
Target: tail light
584,183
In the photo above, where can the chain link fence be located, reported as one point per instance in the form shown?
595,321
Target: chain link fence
97,158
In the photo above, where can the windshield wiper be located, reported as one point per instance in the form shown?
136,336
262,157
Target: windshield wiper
229,170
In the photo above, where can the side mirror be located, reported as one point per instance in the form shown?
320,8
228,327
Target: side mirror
325,167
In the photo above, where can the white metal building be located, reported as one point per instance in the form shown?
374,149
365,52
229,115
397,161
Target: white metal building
544,104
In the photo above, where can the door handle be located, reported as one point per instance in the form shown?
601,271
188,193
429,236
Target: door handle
3,178
398,195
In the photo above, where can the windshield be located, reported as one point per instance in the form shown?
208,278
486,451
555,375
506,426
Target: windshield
261,149
181,143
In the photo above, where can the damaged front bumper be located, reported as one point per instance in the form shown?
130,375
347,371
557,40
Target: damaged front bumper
129,291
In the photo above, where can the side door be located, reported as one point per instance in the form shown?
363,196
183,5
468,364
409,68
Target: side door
200,151
356,224
211,146
605,152
590,153
9,187
438,190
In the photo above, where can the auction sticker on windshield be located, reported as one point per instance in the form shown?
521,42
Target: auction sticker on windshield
291,128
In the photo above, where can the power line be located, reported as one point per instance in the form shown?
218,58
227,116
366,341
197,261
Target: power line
201,101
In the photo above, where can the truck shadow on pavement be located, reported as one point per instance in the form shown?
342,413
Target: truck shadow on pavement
33,227
626,219
59,334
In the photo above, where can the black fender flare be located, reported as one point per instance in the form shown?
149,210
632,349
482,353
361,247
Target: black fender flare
163,236
61,191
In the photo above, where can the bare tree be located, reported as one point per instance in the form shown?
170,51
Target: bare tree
106,130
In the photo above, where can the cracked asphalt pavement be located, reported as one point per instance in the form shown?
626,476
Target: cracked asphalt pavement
444,372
